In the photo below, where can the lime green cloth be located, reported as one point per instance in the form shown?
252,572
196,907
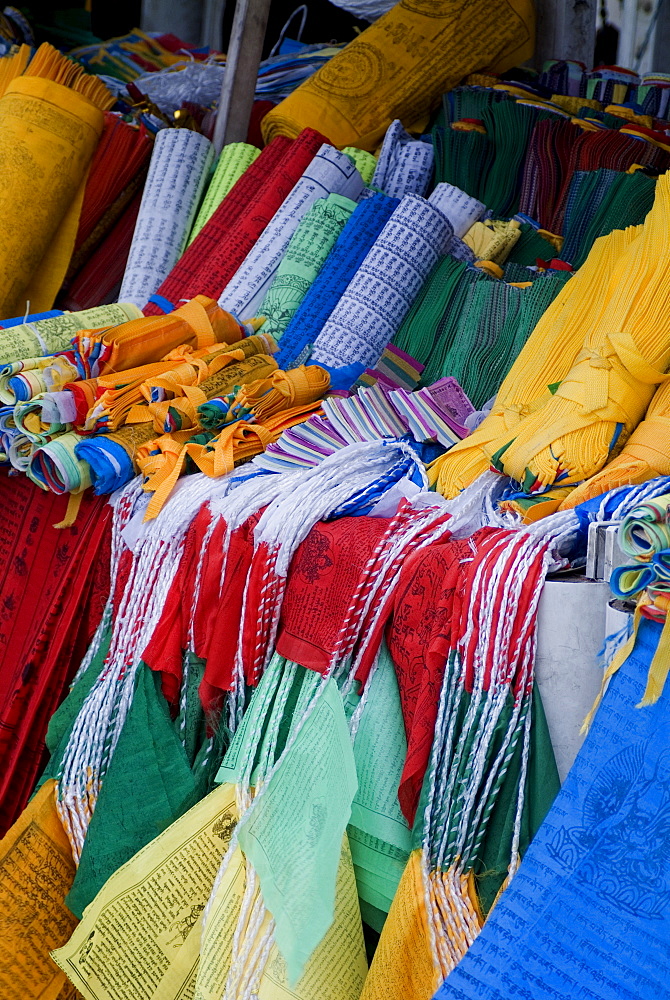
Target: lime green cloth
233,161
292,834
365,162
305,255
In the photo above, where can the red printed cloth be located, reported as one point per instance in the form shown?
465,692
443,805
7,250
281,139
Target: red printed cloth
223,243
53,587
322,580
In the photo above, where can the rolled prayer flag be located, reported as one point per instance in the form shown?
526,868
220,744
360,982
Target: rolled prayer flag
265,398
380,76
198,323
55,466
234,159
342,263
364,162
195,272
404,166
330,172
461,210
178,172
626,581
305,255
47,336
112,457
646,529
386,284
51,130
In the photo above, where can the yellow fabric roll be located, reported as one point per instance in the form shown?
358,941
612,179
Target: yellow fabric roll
401,65
624,355
49,132
493,240
645,455
544,360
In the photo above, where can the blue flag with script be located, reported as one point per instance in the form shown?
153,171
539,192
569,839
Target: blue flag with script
587,917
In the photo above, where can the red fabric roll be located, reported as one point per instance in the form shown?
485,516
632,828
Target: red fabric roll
122,152
53,587
220,248
100,278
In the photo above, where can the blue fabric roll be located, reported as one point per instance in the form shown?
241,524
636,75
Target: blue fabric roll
111,468
349,252
5,324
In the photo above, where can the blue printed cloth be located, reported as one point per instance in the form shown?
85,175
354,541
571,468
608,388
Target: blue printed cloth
364,226
587,916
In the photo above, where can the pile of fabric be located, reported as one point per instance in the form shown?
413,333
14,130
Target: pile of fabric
291,438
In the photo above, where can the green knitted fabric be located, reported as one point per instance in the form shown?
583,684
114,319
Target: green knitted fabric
528,248
599,202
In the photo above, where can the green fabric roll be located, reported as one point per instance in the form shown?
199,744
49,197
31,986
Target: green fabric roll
365,162
528,248
305,255
603,200
233,161
472,327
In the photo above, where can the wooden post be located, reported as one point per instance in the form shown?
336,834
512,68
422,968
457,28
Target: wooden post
239,80
566,29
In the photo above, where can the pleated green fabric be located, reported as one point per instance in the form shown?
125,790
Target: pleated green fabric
471,326
599,202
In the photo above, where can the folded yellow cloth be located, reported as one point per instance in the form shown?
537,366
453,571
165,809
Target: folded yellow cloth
401,65
624,355
646,454
543,361
493,240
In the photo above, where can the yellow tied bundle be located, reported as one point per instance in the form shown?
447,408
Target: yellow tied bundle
190,385
184,366
162,461
283,390
401,65
493,240
645,455
51,121
241,440
544,360
624,355
198,323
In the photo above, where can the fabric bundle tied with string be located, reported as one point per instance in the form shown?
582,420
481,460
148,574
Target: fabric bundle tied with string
544,360
198,323
604,395
645,455
122,396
